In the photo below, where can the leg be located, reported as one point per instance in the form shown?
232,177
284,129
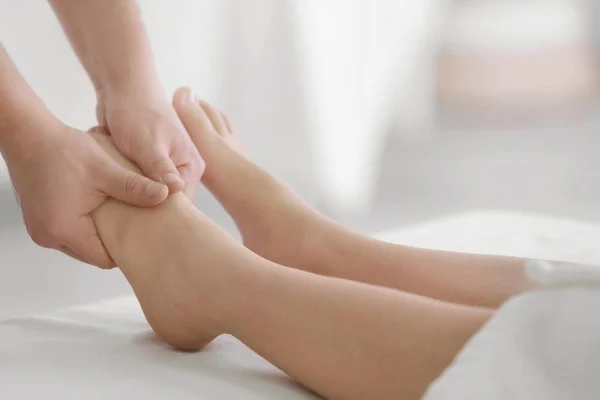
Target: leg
342,339
278,225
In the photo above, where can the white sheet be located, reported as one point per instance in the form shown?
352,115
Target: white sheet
106,350
542,345
508,233
538,346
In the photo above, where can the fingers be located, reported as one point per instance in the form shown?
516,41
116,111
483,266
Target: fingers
72,254
78,240
156,163
191,172
192,116
132,188
191,178
85,240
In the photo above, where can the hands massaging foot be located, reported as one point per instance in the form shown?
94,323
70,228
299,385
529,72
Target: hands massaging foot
342,339
275,223
151,247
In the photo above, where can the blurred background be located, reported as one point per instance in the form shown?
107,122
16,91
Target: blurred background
381,113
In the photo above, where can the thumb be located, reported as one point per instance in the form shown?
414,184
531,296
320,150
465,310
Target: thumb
157,165
131,188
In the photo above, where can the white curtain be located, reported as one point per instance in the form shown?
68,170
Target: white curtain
369,67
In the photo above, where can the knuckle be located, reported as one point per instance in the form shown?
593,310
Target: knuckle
95,171
201,167
163,165
155,149
197,167
156,146
132,184
195,158
39,238
161,129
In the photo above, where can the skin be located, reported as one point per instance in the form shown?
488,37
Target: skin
342,338
110,39
277,224
329,321
60,176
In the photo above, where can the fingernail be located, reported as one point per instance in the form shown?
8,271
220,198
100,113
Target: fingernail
153,189
171,178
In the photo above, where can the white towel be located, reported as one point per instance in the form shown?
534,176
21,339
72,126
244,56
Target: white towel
540,345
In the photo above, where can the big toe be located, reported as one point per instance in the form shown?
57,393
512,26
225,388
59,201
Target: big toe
192,115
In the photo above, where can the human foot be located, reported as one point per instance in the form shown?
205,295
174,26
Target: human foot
182,267
273,220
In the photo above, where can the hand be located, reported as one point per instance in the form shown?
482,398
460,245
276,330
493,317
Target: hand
146,130
61,179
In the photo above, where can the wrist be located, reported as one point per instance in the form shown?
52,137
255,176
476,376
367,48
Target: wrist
122,98
131,92
137,84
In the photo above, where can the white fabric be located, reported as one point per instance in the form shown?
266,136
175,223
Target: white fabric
506,233
541,345
369,65
538,346
106,350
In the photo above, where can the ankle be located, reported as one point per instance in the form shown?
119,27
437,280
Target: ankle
200,295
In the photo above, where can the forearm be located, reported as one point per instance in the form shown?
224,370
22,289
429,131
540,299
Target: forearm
22,113
111,41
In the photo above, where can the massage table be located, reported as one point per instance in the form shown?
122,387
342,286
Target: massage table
106,349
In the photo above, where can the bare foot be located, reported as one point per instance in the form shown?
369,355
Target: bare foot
160,250
273,220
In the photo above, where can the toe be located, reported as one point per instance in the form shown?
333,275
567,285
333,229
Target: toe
201,121
193,117
182,97
228,123
216,118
